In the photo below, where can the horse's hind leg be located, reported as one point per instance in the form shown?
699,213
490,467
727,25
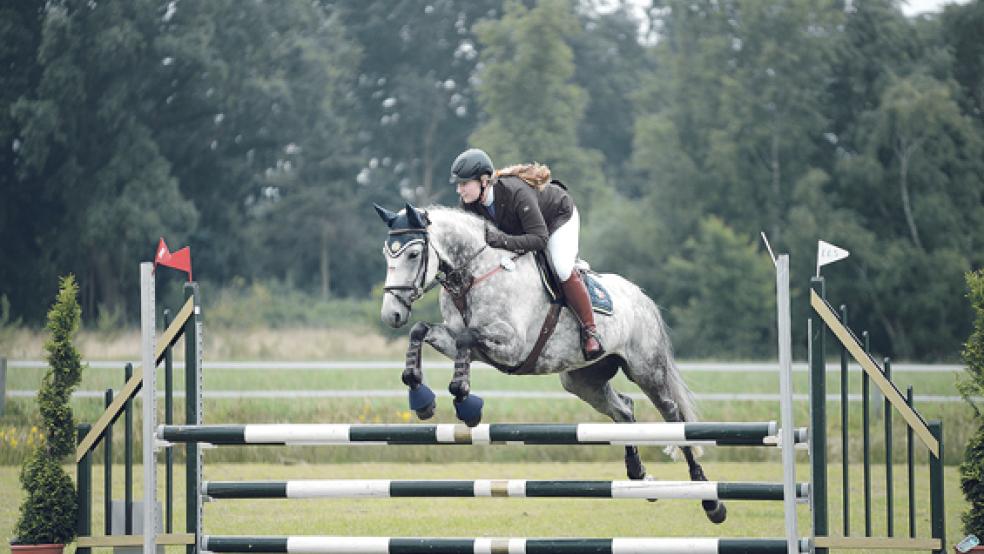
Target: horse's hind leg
592,385
663,384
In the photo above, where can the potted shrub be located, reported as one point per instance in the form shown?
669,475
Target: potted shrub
49,511
972,467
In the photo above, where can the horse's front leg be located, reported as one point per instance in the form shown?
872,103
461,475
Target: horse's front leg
467,406
441,338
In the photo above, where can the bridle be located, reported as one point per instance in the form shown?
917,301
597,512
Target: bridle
417,285
457,281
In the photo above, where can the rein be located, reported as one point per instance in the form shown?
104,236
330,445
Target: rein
458,282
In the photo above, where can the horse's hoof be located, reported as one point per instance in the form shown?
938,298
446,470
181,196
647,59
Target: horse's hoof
649,478
427,412
469,409
422,400
717,513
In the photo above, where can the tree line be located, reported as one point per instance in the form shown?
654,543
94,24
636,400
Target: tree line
260,133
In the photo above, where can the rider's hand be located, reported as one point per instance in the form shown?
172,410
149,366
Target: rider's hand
495,238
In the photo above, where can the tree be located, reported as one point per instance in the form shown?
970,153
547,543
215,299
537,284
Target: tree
48,513
86,139
415,91
27,214
609,64
972,385
723,295
530,106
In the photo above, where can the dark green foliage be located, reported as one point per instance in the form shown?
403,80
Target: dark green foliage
260,133
972,467
973,352
49,511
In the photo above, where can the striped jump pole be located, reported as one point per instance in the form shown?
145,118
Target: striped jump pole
386,545
513,488
741,434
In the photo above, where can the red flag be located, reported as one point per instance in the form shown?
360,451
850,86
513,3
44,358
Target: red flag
180,260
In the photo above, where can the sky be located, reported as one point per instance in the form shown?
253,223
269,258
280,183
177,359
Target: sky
916,7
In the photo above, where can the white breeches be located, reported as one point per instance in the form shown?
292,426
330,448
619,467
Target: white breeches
562,247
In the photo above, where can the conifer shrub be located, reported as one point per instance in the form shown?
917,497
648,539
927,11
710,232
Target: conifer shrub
972,385
48,513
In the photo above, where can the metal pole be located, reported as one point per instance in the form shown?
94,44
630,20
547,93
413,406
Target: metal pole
845,480
3,383
128,457
866,433
149,391
889,492
910,458
786,402
168,419
84,480
193,416
937,515
108,469
818,420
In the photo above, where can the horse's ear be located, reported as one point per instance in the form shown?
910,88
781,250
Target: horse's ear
416,218
387,216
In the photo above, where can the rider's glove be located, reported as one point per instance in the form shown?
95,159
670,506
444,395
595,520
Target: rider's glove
496,238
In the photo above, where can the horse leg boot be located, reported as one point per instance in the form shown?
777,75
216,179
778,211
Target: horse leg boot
715,510
421,396
577,296
467,406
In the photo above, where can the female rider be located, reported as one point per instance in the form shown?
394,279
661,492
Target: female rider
529,212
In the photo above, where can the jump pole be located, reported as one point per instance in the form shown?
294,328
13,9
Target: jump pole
786,402
148,333
495,488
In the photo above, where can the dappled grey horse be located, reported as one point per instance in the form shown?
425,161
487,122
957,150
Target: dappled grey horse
494,307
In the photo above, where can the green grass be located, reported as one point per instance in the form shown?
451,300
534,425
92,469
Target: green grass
21,413
508,517
482,379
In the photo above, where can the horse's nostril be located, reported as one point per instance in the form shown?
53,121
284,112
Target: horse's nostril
396,317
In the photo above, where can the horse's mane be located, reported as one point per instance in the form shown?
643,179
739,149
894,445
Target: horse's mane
458,233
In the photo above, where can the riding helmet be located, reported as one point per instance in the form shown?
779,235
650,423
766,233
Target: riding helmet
471,164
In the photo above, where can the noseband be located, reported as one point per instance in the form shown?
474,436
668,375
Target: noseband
456,280
393,249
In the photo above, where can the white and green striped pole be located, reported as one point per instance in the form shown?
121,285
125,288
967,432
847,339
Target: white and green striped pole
702,433
387,545
505,488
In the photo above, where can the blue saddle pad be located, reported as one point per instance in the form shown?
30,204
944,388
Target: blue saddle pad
601,301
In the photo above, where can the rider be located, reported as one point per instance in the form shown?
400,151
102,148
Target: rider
529,212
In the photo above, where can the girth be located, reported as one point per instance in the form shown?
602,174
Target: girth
458,286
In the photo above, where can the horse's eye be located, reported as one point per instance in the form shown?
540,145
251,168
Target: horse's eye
413,255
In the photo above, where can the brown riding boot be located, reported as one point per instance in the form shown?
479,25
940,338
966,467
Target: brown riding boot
577,298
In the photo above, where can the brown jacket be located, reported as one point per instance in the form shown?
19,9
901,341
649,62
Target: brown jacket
528,215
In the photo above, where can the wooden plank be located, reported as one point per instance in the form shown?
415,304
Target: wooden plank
133,385
874,372
173,332
133,540
130,389
876,543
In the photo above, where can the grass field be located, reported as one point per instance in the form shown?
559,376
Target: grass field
508,517
21,413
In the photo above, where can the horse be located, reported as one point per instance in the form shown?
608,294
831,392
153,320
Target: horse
493,305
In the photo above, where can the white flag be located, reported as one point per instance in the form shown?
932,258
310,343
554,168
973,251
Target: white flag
829,253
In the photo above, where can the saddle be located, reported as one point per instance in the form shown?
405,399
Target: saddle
601,301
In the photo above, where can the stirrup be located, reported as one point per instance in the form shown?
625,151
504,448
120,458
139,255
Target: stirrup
585,334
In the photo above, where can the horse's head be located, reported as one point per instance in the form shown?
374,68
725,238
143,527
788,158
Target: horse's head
411,262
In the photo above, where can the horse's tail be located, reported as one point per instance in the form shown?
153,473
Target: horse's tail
676,389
